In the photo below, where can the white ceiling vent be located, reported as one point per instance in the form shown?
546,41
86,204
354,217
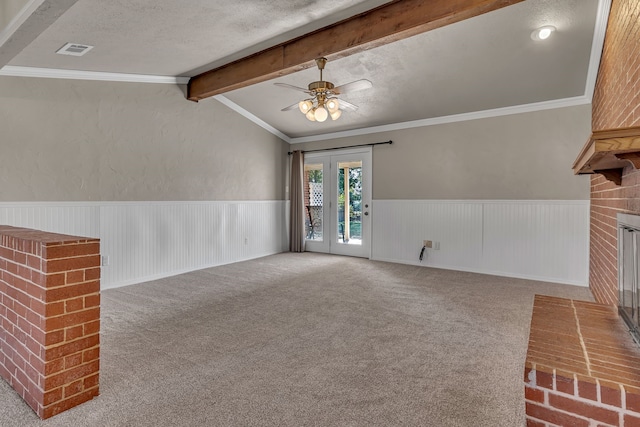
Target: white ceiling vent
74,49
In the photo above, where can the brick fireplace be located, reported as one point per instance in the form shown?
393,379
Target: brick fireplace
49,318
616,104
582,366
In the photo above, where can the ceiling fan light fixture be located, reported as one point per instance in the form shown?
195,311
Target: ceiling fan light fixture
333,105
543,33
305,106
310,115
323,101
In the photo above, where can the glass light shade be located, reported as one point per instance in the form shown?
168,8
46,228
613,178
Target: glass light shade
305,106
333,105
321,114
311,116
336,114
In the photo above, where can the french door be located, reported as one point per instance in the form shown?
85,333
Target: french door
338,202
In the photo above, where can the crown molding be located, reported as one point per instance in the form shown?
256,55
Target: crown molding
475,115
599,32
18,20
255,119
52,73
496,112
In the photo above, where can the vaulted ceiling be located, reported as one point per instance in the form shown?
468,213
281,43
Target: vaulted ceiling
477,67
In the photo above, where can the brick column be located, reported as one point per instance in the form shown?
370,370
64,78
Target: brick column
49,318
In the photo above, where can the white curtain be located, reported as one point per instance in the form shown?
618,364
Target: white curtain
296,217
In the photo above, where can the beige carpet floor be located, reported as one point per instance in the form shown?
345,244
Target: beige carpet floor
310,340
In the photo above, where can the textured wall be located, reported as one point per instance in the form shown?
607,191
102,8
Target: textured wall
616,104
82,141
515,157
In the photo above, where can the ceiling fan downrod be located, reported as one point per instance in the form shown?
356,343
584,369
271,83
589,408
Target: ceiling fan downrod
320,86
321,62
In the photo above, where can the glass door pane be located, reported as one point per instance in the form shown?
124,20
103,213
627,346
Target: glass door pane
351,195
313,201
350,202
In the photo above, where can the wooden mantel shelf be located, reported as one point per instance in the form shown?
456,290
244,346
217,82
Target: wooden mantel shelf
607,152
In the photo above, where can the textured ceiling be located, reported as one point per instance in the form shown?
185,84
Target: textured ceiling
480,64
172,38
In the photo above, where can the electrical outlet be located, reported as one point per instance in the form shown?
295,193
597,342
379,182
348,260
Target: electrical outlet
246,240
436,246
427,243
105,260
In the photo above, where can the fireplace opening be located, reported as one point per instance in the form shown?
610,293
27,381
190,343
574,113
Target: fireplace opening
628,269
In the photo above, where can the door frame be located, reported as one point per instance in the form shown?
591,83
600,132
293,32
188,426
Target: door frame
330,215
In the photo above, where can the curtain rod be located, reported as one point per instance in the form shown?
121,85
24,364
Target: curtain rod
348,146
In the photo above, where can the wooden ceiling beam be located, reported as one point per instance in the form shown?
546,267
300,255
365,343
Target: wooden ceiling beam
386,24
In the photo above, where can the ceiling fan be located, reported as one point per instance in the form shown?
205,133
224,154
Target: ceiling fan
323,101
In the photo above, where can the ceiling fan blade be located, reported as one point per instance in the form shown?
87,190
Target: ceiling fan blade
290,107
352,87
288,86
344,105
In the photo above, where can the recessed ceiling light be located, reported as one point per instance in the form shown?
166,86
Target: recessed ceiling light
543,33
74,49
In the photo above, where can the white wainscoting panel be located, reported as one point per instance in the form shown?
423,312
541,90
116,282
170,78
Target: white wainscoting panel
544,240
149,240
540,240
399,228
153,240
77,219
